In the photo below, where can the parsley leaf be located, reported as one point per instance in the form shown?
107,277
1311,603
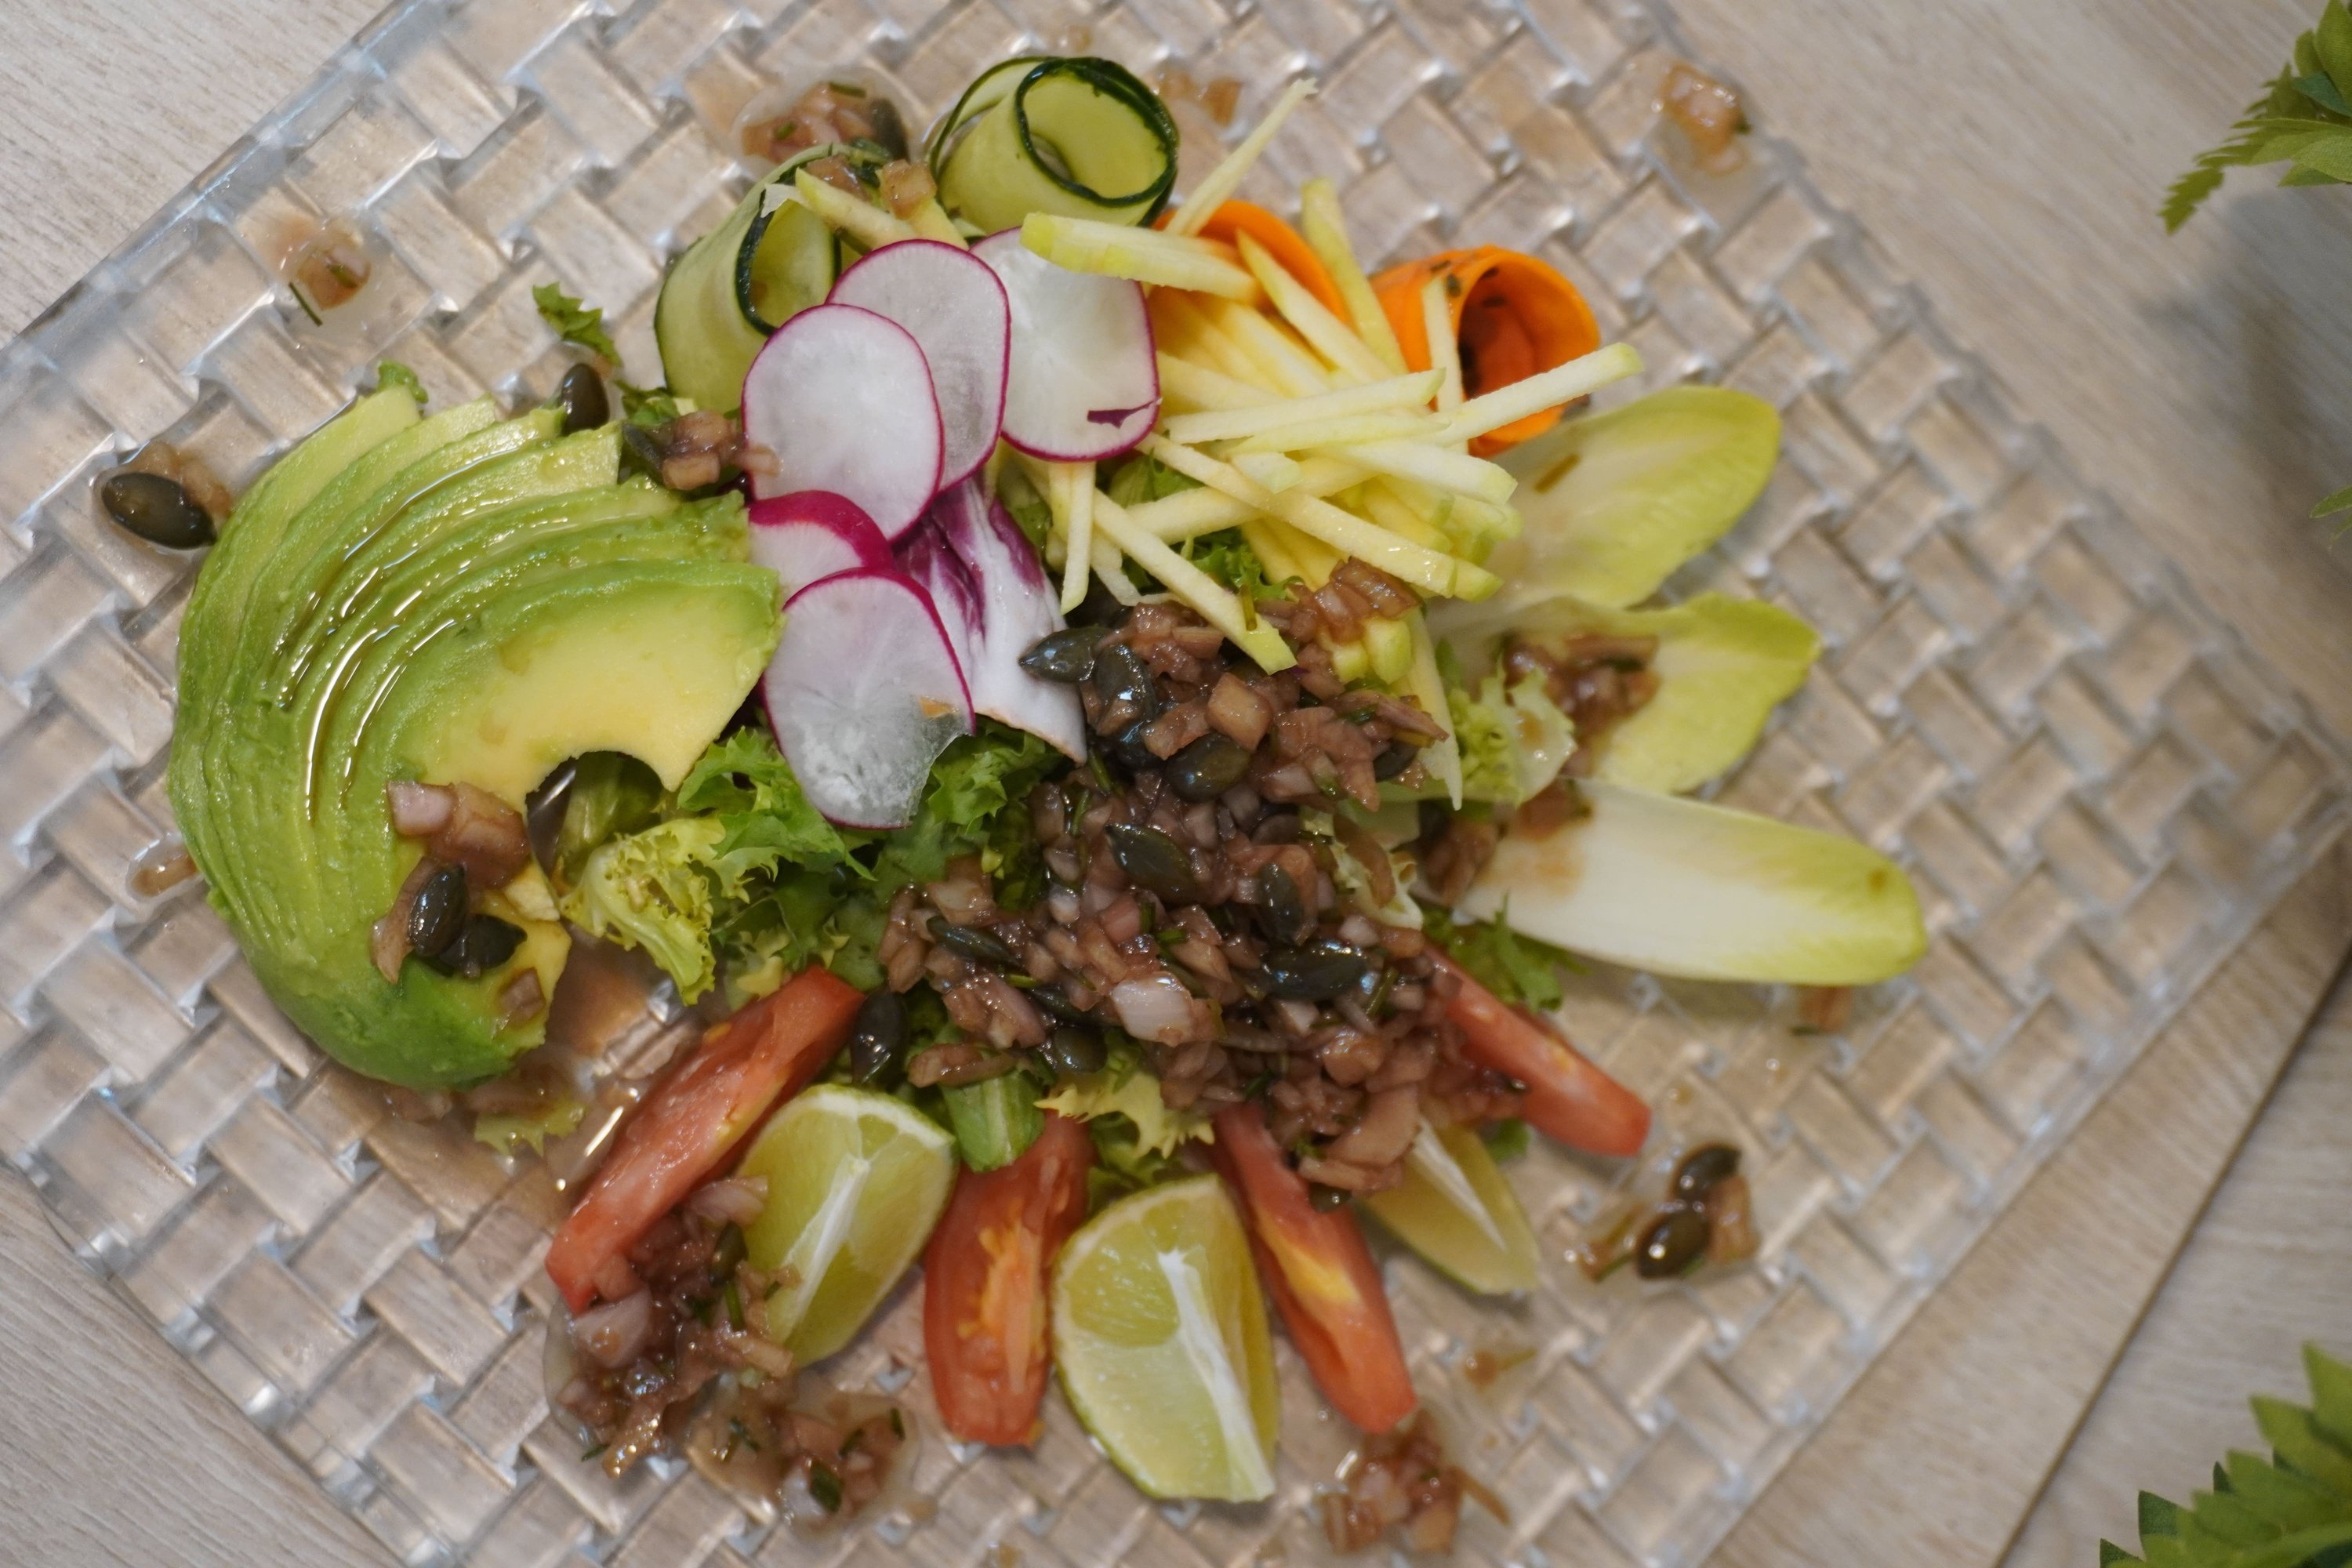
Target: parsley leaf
2291,1510
574,321
2303,119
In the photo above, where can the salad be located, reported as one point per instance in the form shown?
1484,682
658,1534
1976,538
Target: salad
1095,719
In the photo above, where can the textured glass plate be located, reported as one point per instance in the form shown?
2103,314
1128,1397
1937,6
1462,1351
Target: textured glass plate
2098,791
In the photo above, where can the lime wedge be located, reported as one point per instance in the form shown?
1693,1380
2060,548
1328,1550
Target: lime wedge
855,1181
1160,1334
1454,1208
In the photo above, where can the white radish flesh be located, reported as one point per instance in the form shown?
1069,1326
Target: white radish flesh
955,310
810,535
843,398
994,598
864,694
1084,385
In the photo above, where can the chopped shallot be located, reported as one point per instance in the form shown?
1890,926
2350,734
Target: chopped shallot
735,1201
613,1333
419,810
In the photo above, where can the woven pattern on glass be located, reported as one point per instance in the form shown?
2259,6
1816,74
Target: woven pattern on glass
2098,791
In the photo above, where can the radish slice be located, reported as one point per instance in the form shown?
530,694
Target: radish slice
864,694
993,597
956,311
1084,382
843,398
810,535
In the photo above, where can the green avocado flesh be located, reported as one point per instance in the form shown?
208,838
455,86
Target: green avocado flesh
454,599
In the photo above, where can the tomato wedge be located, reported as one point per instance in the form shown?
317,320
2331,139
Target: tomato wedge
984,1284
689,1124
1320,1275
1567,1097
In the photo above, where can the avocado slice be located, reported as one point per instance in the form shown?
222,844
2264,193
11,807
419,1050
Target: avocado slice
450,600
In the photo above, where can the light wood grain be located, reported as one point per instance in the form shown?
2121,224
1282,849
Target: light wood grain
1938,1453
116,1451
2008,156
2264,1273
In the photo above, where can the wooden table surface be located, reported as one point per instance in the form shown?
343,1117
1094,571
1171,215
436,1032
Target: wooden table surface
2008,156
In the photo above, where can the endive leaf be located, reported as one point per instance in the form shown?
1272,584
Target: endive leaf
1613,502
1722,665
1676,886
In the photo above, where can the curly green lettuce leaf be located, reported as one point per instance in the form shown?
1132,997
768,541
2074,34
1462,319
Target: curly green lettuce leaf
1356,879
745,782
1029,510
1143,478
657,889
1677,886
1124,1089
1615,502
1521,970
609,794
1723,666
1232,562
972,783
1123,1164
1513,740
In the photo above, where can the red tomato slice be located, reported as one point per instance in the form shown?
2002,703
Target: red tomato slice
1567,1097
686,1127
1320,1275
984,1284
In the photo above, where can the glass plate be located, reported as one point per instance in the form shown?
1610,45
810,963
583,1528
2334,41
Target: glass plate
2097,789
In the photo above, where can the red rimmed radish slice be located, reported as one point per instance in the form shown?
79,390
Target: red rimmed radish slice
864,694
1084,382
810,535
1007,604
956,311
843,398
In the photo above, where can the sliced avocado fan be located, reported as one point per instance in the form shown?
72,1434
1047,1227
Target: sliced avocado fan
454,599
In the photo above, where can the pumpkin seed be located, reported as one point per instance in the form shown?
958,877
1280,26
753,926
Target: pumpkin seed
157,509
1671,1243
1703,1168
580,394
1067,1049
975,942
878,1036
438,915
1066,657
1121,678
1153,861
1317,973
1208,768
